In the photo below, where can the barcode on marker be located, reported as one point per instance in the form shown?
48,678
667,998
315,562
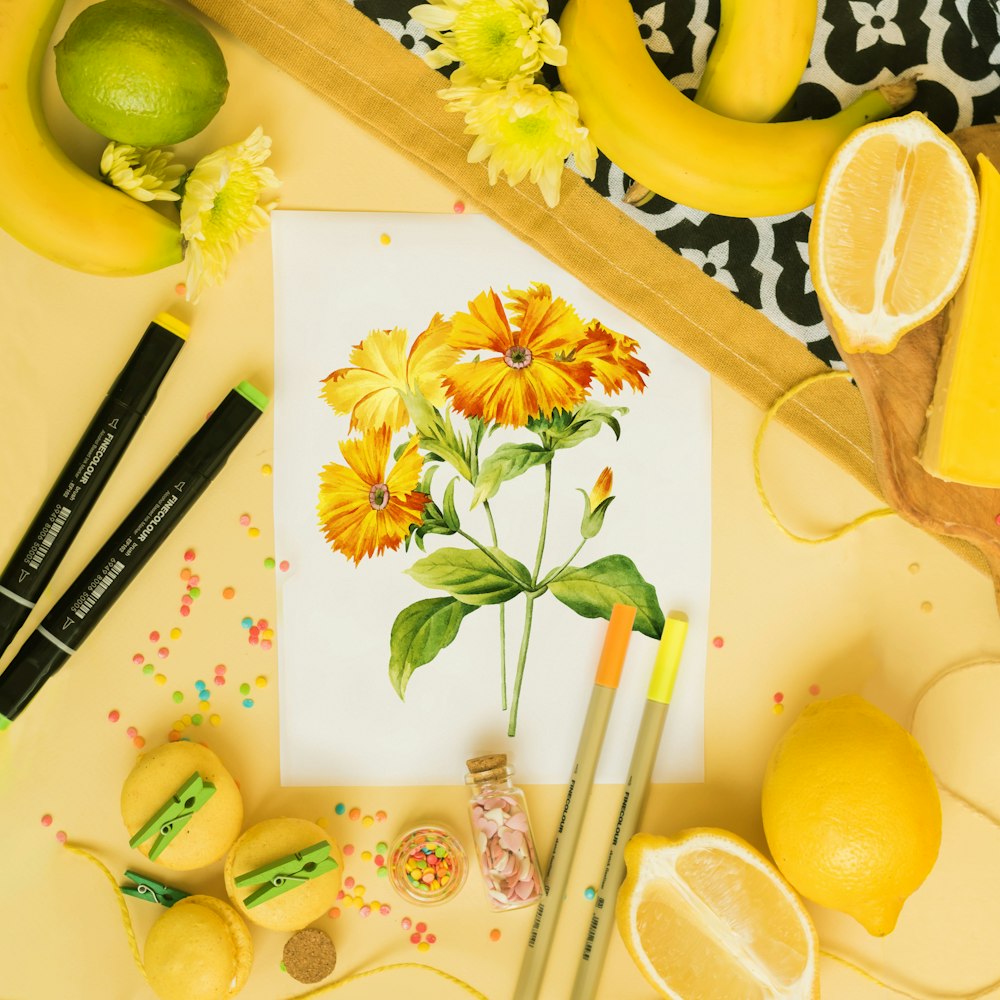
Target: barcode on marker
95,594
50,537
589,946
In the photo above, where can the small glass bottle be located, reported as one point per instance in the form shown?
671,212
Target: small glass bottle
502,834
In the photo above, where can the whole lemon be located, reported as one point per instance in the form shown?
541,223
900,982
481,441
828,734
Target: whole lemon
141,72
851,811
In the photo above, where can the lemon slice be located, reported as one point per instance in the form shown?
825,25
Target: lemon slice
704,916
892,233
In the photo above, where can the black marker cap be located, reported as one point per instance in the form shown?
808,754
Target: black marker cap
138,381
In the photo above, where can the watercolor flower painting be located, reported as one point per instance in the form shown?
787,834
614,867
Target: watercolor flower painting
526,366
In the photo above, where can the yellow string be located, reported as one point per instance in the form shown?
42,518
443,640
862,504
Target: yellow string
328,988
982,813
758,442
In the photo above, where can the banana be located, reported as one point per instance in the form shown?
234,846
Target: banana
48,203
685,152
760,52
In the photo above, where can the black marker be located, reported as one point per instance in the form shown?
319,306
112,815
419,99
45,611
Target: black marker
86,473
129,548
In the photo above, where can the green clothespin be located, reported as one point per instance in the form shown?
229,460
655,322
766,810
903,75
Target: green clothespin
151,890
174,814
287,873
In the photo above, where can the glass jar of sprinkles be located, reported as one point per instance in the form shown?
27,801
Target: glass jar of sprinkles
502,834
427,865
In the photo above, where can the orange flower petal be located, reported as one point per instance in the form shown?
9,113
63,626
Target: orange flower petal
493,390
431,354
547,325
483,327
405,473
613,359
368,455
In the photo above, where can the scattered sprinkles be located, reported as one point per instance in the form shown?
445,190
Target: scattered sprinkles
340,808
926,607
114,715
138,659
814,689
718,642
590,892
154,636
46,820
915,567
495,934
148,668
269,562
61,836
248,702
265,470
163,652
189,555
253,532
381,816
355,813
261,681
175,633
245,520
778,709
180,288
348,850
385,239
284,565
228,593
160,679
458,208
778,697
368,821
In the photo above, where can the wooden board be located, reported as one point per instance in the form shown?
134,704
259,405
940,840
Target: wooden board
897,390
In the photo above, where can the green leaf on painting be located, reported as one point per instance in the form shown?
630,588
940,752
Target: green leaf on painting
592,591
448,508
419,633
473,576
507,462
568,428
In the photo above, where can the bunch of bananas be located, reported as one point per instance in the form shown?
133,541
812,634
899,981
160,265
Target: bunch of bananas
719,153
105,232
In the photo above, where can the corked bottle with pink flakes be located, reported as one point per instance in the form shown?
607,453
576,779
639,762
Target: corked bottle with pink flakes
502,834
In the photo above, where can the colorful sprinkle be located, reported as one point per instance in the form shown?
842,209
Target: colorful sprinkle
284,565
334,912
244,688
261,623
340,808
219,680
926,607
180,288
495,934
996,520
385,239
131,732
154,636
365,910
265,644
458,208
431,938
590,892
368,821
160,679
915,567
423,946
349,882
61,836
187,600
245,519
382,872
186,573
220,668
261,681
385,909
778,709
381,847
718,642
348,850
355,813
46,820
266,470
379,860
138,743
215,719
228,593
175,633
421,927
194,591
248,702
778,697
189,555
269,562
253,532
148,668
246,622
114,715
382,816
405,923
163,652
814,689
366,855
138,658
414,939
184,610
174,735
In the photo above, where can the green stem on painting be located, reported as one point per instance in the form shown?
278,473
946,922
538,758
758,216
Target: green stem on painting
503,617
545,521
482,548
522,658
556,573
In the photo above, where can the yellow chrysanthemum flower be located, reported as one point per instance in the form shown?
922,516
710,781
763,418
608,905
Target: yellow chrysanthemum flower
527,379
372,391
143,174
526,130
362,510
223,207
493,39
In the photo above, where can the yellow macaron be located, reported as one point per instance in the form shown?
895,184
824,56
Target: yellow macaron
271,841
156,777
200,949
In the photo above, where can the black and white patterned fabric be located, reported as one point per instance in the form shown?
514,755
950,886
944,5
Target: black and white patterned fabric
952,46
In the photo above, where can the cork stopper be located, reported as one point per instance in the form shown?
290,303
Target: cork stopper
309,955
489,767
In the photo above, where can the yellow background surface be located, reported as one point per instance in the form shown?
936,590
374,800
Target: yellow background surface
880,613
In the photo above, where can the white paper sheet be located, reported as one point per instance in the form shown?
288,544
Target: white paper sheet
341,721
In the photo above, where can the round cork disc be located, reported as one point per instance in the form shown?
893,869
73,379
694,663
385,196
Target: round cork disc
309,955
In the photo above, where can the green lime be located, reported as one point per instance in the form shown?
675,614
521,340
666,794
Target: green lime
141,72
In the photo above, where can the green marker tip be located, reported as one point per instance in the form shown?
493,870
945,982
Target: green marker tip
253,394
4,723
